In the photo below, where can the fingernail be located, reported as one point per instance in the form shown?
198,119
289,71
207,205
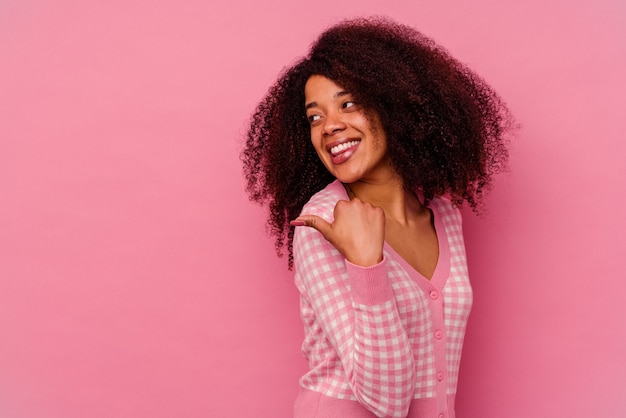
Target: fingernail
297,223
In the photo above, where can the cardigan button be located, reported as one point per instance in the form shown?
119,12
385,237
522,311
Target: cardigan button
442,415
440,376
438,334
434,294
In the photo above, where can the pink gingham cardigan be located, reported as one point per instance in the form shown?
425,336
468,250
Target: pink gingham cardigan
383,340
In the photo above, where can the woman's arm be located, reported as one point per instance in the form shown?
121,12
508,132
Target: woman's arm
356,310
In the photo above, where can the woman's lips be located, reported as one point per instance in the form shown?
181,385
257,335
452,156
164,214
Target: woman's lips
341,152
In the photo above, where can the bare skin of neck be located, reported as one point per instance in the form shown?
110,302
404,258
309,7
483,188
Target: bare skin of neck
409,226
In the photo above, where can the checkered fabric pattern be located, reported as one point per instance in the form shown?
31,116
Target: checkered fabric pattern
383,335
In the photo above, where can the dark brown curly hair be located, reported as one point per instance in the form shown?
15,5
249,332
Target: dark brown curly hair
445,126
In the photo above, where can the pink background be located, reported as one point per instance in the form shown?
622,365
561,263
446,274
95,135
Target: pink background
136,280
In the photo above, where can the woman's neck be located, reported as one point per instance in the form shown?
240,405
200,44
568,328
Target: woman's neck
399,205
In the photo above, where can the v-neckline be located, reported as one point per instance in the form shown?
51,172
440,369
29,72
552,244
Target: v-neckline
442,268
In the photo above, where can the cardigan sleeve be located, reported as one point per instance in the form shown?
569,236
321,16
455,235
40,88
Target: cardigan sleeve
356,310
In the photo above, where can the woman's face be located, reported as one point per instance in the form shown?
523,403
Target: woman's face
352,146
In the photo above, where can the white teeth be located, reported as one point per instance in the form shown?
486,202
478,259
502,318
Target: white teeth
342,147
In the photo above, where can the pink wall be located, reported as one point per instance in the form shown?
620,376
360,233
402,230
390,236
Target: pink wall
137,281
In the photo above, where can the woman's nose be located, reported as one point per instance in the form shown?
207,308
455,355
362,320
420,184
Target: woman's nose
333,123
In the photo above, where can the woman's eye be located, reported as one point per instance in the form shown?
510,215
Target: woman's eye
313,118
348,104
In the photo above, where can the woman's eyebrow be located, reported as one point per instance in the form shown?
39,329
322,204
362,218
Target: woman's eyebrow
337,95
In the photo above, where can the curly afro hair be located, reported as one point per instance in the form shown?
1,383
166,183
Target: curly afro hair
445,126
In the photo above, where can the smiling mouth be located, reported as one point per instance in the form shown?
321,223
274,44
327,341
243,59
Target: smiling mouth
338,149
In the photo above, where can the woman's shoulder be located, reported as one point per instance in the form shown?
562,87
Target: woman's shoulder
448,210
323,202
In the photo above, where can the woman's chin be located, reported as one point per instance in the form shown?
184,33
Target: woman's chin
347,178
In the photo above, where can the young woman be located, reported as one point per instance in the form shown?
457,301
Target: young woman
364,150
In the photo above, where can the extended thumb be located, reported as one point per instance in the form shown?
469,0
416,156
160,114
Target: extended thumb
312,221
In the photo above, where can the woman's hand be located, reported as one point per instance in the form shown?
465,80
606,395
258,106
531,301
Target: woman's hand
358,231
